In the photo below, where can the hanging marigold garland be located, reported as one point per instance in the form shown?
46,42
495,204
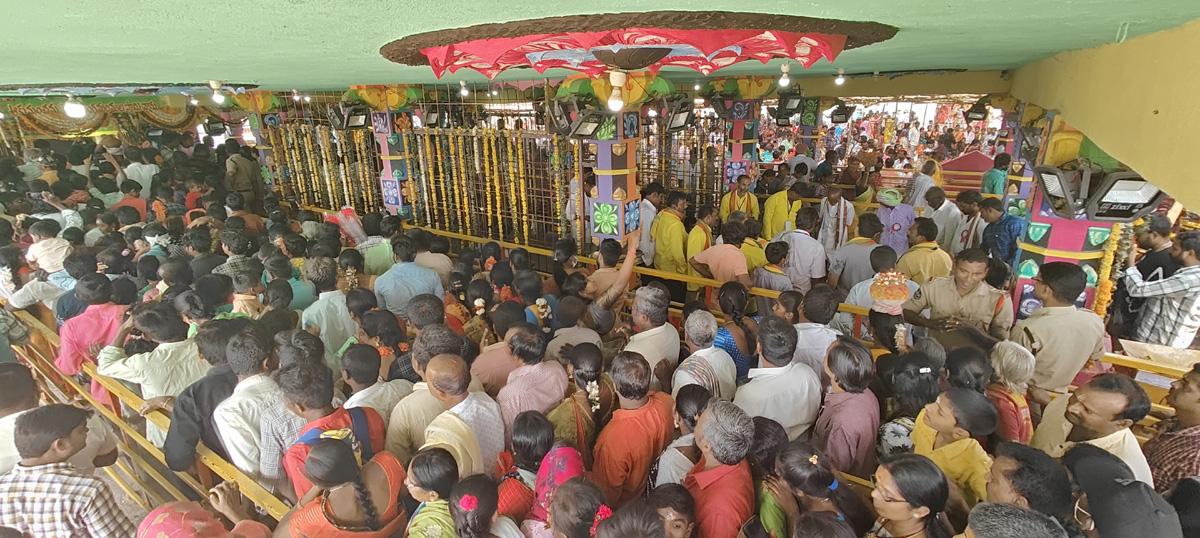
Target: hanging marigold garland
1104,286
485,156
450,160
439,143
580,211
465,185
524,186
344,170
319,198
556,178
413,141
495,182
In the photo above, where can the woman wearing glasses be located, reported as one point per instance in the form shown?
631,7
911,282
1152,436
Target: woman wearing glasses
910,497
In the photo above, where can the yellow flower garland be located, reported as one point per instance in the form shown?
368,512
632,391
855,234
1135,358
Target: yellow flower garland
495,182
463,182
556,175
487,178
524,186
512,175
580,211
1104,286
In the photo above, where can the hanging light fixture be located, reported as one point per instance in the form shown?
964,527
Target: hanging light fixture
696,87
217,96
841,78
617,80
307,98
295,95
652,113
462,88
495,92
784,80
74,108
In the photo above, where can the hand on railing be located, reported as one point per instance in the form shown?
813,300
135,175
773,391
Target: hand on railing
166,404
227,499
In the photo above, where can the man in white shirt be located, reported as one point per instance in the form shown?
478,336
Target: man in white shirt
652,197
921,183
20,394
708,366
969,230
836,215
781,390
1098,413
449,382
328,317
139,171
806,255
361,372
238,419
945,214
656,340
813,331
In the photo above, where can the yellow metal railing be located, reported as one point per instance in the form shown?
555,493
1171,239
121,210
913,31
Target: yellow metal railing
135,446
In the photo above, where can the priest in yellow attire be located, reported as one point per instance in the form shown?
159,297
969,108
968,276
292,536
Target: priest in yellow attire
701,237
670,237
779,212
739,199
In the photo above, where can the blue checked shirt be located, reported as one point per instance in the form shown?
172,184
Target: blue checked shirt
1000,238
1171,313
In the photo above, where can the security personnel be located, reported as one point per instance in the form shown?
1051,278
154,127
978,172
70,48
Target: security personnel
960,302
925,260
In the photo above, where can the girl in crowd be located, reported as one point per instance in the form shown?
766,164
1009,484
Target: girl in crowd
1012,368
473,503
383,330
910,497
581,415
806,482
369,508
915,384
194,309
676,508
562,464
578,507
565,264
501,277
278,295
431,475
769,440
573,286
946,431
787,306
532,439
681,455
738,336
481,299
968,368
455,303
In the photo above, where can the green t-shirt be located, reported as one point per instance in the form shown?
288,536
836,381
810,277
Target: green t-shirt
770,514
993,181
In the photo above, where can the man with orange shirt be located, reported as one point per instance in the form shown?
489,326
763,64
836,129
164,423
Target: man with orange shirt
307,389
721,482
254,223
638,432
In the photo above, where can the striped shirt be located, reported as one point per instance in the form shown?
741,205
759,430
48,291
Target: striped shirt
1173,455
57,501
1171,313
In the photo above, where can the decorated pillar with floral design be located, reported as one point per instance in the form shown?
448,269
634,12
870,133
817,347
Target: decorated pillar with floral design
615,207
391,123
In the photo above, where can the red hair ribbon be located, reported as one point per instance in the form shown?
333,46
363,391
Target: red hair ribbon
602,514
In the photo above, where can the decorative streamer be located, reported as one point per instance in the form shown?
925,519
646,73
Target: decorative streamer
463,182
556,176
495,182
524,185
487,186
440,159
579,198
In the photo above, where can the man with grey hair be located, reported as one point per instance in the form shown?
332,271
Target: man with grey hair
708,366
721,482
999,520
656,340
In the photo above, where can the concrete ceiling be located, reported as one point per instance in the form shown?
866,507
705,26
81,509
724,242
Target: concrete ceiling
324,45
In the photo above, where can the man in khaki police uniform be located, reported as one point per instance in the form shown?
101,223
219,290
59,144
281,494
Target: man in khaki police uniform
961,301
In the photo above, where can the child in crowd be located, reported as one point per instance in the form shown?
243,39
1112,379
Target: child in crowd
247,286
48,251
946,432
133,198
217,289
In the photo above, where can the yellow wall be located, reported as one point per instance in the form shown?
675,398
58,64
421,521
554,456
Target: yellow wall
1139,101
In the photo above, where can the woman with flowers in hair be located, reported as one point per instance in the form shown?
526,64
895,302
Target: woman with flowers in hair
561,465
805,481
473,505
590,404
577,509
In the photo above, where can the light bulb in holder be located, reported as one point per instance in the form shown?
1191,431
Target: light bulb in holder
73,108
217,96
462,88
617,80
307,98
784,80
841,78
495,93
194,101
652,113
696,87
295,95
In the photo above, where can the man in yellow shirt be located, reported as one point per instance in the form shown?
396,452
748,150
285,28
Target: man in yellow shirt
780,210
670,240
924,260
700,238
739,199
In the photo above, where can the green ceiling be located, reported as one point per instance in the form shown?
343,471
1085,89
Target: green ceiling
328,45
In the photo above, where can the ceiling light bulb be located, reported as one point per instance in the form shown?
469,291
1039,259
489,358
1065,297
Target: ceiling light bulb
218,97
841,78
295,95
784,80
652,113
194,101
73,108
616,79
307,98
462,88
696,87
495,92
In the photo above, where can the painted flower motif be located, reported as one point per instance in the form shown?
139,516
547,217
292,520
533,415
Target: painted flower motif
633,215
604,218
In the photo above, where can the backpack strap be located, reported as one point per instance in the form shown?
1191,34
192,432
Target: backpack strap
362,432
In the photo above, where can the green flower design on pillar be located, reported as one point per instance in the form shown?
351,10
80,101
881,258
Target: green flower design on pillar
604,218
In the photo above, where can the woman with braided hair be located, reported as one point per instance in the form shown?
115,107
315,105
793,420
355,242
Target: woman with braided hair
738,337
347,501
580,416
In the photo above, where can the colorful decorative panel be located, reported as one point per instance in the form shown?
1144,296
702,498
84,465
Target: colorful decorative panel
381,123
615,208
741,130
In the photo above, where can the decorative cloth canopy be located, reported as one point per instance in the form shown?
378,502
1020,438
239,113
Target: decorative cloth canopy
702,50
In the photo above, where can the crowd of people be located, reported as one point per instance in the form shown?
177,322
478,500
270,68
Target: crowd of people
383,388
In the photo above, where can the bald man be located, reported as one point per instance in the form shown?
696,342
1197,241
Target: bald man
449,379
945,214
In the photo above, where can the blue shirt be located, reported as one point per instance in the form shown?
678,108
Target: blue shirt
405,280
1000,238
304,294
